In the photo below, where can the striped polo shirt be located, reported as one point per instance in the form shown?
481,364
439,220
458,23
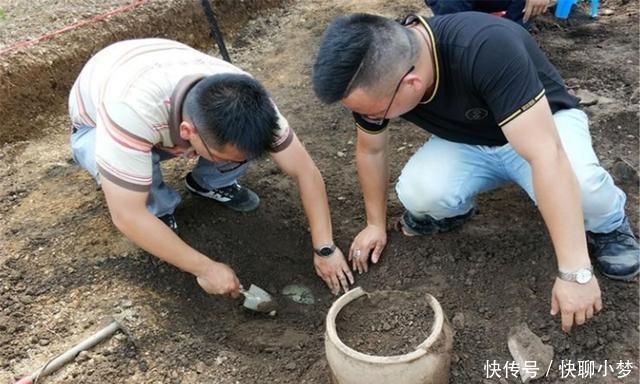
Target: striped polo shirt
132,93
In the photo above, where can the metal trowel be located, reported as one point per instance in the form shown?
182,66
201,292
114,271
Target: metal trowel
257,299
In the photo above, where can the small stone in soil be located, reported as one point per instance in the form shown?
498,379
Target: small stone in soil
587,98
458,320
82,356
591,343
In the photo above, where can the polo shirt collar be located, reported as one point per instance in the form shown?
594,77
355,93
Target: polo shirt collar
175,109
434,51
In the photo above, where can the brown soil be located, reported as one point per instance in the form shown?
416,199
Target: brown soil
64,268
385,323
35,80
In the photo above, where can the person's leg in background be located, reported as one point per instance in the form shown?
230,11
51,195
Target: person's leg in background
609,235
438,184
512,8
444,7
514,12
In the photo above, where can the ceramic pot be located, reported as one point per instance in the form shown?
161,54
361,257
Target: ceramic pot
427,364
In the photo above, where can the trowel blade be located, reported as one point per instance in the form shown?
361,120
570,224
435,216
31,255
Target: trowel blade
257,299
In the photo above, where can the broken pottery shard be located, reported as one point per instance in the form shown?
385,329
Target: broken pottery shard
299,294
529,352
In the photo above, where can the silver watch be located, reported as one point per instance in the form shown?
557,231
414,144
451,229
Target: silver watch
581,276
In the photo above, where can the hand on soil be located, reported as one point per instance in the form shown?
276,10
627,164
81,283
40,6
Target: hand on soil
534,8
334,271
577,303
369,242
219,279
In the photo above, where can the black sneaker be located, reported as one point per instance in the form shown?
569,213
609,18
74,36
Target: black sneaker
412,226
617,253
170,221
234,196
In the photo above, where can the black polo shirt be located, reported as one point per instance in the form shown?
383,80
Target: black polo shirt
488,71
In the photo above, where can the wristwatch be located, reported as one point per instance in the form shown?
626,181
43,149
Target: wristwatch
325,250
581,276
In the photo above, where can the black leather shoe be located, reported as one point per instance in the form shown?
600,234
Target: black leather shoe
617,253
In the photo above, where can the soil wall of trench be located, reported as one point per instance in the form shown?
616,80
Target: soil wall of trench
35,79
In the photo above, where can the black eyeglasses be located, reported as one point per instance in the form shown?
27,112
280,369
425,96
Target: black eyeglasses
395,92
226,166
230,166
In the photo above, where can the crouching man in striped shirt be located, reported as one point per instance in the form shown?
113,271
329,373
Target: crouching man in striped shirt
138,102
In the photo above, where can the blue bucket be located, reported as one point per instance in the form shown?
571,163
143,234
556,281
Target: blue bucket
563,8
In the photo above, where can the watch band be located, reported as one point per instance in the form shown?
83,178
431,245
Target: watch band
325,250
581,276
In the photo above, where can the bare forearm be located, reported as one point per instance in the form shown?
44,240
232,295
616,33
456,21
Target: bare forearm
558,197
314,200
373,173
152,235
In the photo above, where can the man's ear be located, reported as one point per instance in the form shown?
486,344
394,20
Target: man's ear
414,81
187,130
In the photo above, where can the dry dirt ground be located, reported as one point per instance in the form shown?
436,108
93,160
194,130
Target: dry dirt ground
64,269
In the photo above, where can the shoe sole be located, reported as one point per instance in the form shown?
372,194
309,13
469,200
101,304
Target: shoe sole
628,278
201,194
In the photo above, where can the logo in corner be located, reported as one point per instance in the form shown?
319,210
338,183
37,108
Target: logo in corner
476,114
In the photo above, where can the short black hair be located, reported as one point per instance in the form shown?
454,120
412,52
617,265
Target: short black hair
357,50
233,109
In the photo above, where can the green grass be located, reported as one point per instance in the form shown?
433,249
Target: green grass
3,16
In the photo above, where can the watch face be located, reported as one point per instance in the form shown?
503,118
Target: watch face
583,276
325,251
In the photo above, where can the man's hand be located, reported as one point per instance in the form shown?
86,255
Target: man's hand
534,8
370,241
334,270
219,279
577,303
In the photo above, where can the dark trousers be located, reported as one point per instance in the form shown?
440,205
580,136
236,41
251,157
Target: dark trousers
513,8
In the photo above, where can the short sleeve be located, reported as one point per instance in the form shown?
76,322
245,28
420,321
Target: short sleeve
284,134
367,126
504,75
123,153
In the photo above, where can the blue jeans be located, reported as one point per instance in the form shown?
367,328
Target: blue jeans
442,178
162,199
513,8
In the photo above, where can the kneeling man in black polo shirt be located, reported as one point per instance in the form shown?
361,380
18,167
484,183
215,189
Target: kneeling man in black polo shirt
498,112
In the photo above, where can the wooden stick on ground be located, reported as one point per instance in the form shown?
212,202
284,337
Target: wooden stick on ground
56,363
